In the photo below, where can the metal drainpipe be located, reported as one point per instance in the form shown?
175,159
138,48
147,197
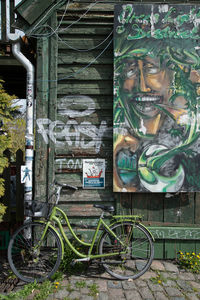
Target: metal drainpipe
29,138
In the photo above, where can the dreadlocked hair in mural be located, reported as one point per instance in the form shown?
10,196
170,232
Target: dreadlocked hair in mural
156,110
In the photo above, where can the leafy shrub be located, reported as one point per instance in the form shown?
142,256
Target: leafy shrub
189,261
2,211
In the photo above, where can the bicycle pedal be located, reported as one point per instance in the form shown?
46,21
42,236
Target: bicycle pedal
72,263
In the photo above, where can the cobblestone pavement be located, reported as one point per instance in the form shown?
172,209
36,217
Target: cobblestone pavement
163,281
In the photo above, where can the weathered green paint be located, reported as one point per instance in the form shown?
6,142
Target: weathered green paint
68,58
3,20
42,97
32,10
174,221
52,100
9,61
175,233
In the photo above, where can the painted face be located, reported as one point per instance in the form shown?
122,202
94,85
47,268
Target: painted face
145,85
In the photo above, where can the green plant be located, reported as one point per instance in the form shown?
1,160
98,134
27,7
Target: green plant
40,291
159,279
69,288
2,211
80,284
93,290
189,261
58,276
66,265
6,115
21,294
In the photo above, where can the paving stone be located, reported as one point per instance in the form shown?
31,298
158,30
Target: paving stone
65,282
170,267
102,285
177,298
187,276
146,293
195,285
192,296
148,275
86,297
61,294
140,283
130,295
115,284
128,285
102,296
74,295
157,266
198,276
84,290
184,285
169,275
155,287
160,296
74,278
32,295
173,292
169,283
114,294
51,297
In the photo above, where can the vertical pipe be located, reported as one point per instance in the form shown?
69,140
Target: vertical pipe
29,150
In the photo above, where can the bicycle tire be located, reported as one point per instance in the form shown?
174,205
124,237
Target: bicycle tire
134,259
30,264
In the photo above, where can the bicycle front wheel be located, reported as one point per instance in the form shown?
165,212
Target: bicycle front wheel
31,258
131,253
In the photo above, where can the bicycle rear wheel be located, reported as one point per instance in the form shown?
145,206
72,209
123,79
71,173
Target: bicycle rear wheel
32,259
134,257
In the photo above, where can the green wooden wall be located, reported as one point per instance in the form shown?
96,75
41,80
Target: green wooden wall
74,121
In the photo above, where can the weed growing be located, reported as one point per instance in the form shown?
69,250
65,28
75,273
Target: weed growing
66,265
40,290
80,284
159,279
93,290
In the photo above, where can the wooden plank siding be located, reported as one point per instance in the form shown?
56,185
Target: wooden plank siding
88,88
74,121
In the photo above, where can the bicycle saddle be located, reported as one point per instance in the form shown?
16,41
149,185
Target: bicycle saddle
104,207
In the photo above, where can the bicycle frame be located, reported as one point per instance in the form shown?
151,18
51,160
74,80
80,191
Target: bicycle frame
56,219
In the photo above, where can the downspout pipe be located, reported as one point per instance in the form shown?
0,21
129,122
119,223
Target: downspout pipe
29,137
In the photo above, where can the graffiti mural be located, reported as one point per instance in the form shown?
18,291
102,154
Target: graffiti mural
72,132
156,98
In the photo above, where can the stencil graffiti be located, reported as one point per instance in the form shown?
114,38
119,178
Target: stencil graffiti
156,98
69,164
73,133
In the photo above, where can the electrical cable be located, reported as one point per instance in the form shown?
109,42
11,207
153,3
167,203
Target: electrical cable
86,50
84,68
81,70
45,16
53,30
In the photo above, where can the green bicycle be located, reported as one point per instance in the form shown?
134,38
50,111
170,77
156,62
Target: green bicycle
124,248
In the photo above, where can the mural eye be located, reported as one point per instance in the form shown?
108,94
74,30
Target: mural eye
152,69
132,71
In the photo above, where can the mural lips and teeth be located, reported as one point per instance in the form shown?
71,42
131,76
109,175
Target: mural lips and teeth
145,104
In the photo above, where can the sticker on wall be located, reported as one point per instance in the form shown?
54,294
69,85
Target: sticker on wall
156,98
93,173
25,174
